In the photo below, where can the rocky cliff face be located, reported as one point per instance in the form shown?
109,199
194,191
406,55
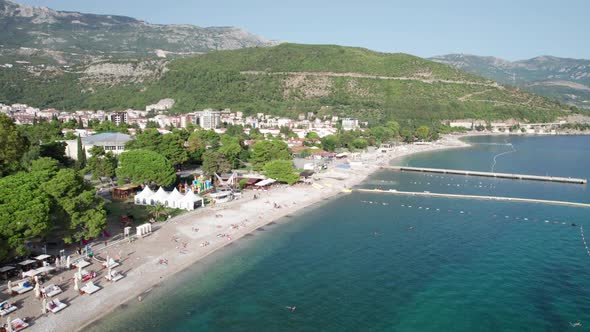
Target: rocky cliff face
81,37
567,80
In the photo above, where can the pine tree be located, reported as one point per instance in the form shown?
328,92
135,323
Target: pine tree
81,163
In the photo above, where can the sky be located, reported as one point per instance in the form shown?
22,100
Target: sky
513,30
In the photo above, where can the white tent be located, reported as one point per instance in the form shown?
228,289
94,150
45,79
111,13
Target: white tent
143,198
161,196
189,200
175,199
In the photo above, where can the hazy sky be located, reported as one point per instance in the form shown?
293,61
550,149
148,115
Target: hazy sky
515,29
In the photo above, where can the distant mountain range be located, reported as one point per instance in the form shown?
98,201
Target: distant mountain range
61,37
567,80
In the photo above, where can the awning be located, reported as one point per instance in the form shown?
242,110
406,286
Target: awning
42,257
6,268
27,262
266,182
31,273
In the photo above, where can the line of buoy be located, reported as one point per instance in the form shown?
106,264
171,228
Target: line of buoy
584,240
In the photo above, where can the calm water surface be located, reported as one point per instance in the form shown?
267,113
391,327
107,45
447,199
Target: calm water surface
377,262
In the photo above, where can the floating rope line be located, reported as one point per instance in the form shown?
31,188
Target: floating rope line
503,153
584,240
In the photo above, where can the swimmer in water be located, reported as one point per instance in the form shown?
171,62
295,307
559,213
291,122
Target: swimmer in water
410,228
291,308
576,324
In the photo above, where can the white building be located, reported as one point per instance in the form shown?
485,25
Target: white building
114,142
208,119
350,124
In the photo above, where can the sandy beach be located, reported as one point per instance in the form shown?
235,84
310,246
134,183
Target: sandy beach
184,240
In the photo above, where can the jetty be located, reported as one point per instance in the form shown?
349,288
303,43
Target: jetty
480,197
488,174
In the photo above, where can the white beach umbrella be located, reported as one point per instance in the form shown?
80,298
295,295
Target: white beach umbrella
37,290
9,287
44,303
68,262
108,259
109,272
76,287
9,321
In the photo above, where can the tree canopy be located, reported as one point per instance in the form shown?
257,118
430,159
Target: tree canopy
12,145
265,151
145,166
281,170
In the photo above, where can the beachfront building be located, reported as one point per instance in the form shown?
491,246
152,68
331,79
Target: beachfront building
114,142
172,199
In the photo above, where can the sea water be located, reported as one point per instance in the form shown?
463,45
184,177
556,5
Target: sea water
380,262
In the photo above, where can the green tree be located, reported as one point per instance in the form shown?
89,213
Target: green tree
265,151
312,135
360,143
422,132
281,170
145,166
76,204
12,145
394,127
330,142
156,210
215,162
101,164
81,162
172,147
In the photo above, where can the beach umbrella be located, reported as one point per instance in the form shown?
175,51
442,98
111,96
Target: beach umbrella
68,262
37,290
76,287
9,287
44,303
9,321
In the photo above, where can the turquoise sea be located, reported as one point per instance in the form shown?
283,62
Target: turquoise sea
378,262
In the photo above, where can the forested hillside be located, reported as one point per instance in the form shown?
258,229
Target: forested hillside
289,79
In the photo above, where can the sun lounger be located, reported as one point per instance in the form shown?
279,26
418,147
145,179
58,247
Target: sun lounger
52,290
111,263
115,276
90,288
56,305
22,287
18,325
82,263
6,308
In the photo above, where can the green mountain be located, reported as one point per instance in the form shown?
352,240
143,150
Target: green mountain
39,34
286,80
567,80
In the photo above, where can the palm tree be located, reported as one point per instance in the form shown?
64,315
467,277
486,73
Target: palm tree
156,210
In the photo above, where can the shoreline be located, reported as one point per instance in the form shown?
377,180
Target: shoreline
239,218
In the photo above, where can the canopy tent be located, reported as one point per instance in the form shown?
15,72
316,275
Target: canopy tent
265,183
6,268
173,199
42,257
161,196
143,198
189,199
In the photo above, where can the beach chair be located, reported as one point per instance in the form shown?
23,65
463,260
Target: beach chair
111,263
52,290
18,325
115,276
23,287
6,308
90,288
56,305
